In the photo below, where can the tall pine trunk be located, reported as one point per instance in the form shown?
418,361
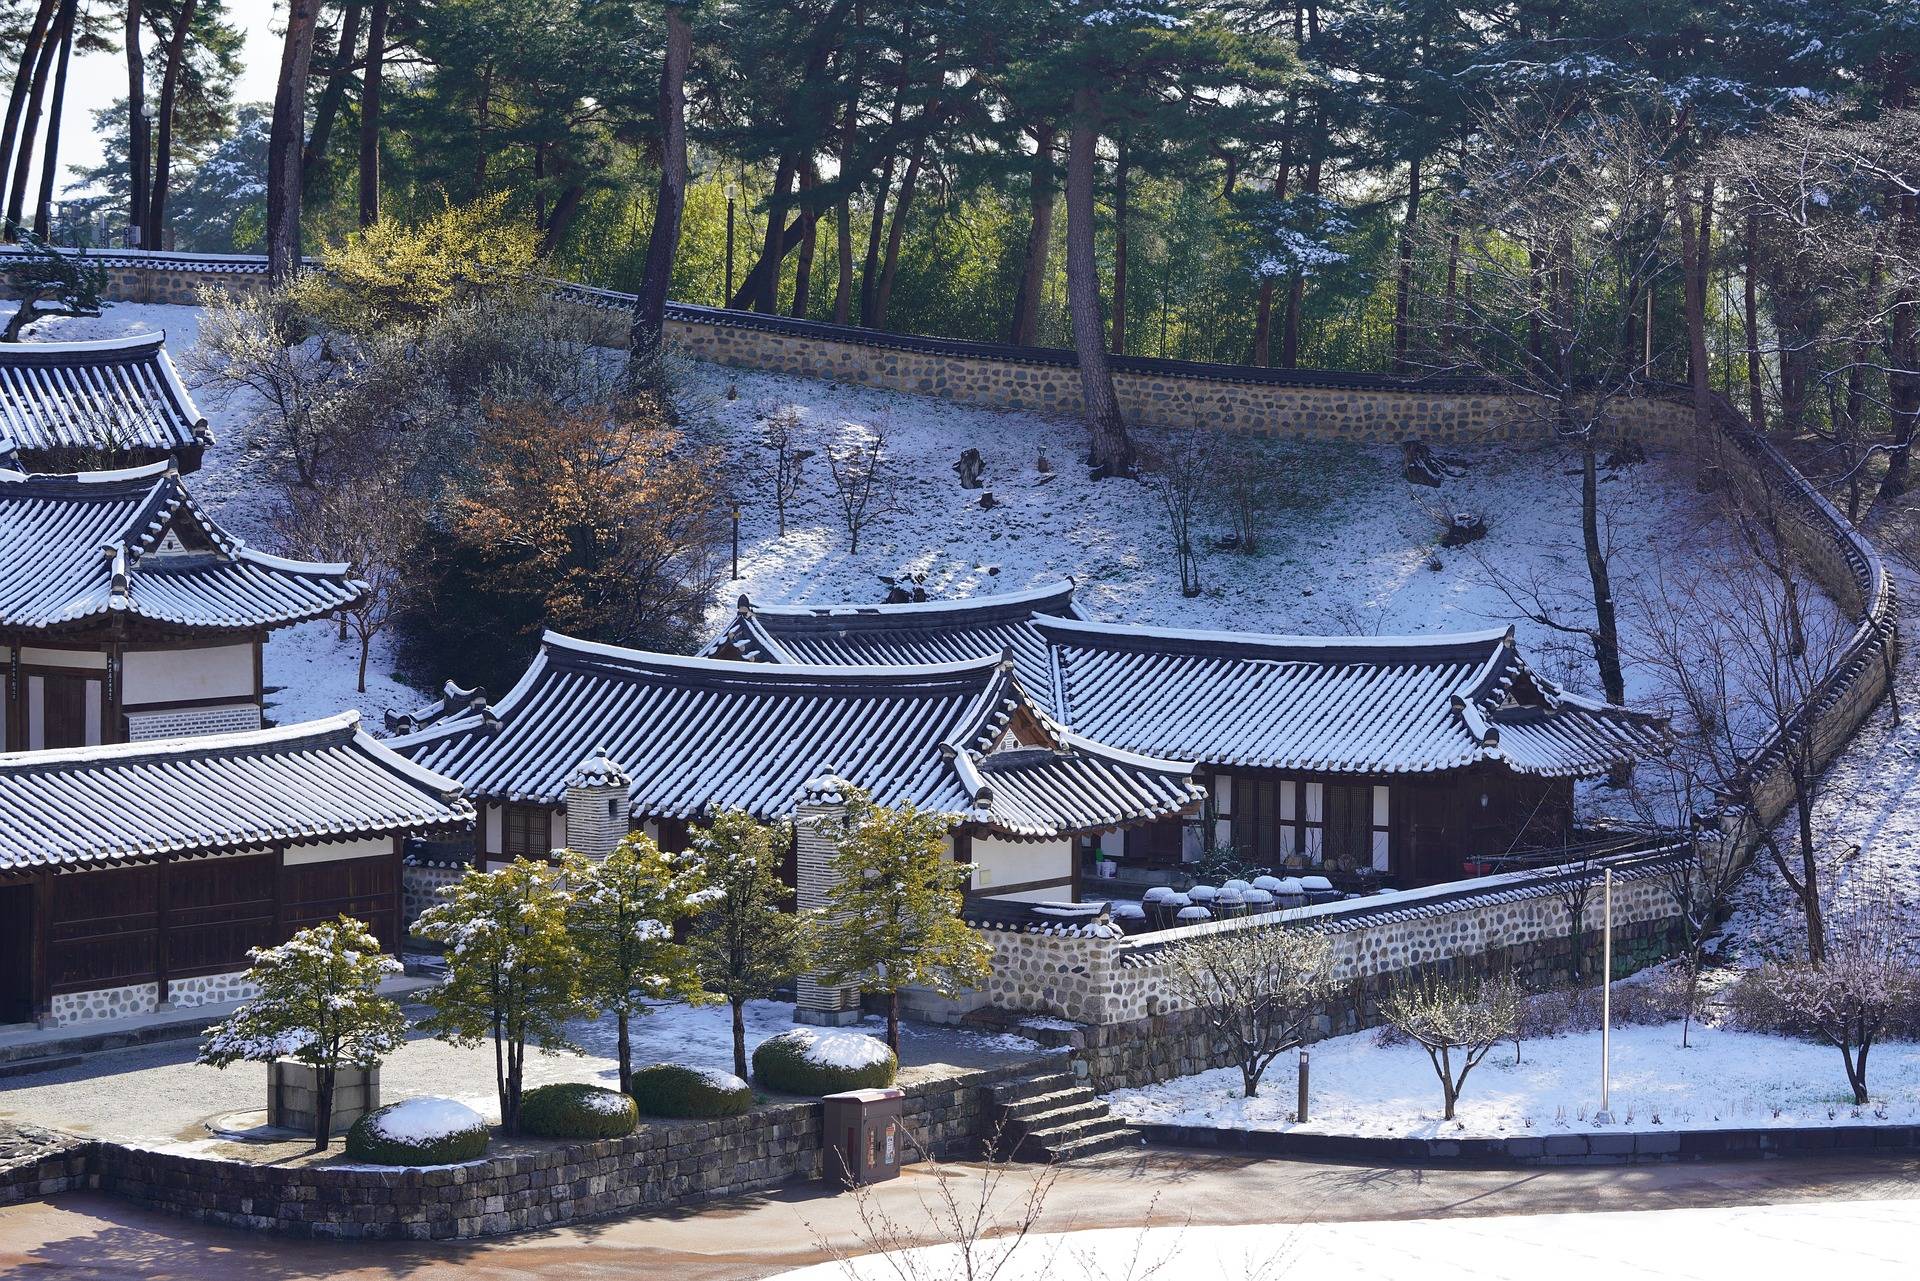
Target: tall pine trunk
30,124
284,142
1121,159
370,114
843,207
896,230
328,108
1903,355
1041,192
1756,399
24,88
1112,451
809,239
1263,321
1696,231
50,162
650,305
1297,287
1403,284
156,213
1606,632
138,162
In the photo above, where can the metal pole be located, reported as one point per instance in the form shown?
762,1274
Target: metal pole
1605,1115
736,542
1302,1113
726,299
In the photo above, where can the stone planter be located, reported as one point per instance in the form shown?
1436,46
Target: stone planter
293,1094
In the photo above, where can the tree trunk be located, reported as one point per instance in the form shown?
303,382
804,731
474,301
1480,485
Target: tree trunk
1403,286
314,154
739,1038
137,159
1903,356
366,648
1693,253
1120,248
1297,287
24,87
843,207
482,121
650,305
624,1042
1451,314
896,229
1756,400
1606,632
1041,191
809,238
30,123
1263,321
1112,451
774,245
284,142
323,1108
893,1020
50,161
370,114
155,237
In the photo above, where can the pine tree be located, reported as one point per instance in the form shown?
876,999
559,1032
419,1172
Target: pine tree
745,944
319,1003
622,919
513,973
895,921
47,282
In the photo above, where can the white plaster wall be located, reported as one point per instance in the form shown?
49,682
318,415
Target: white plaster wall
334,851
92,659
1001,862
176,675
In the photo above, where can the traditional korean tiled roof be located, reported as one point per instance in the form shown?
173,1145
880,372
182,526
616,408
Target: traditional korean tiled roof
115,393
924,632
701,734
322,780
87,547
1373,705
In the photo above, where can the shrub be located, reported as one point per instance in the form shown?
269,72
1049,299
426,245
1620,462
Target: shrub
427,1131
575,1111
672,1089
803,1061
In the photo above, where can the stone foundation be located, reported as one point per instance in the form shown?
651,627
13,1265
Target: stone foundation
68,1008
420,885
293,1096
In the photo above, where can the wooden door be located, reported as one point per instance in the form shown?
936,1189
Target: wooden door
16,953
1432,843
64,708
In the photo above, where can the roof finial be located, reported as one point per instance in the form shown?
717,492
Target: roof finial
745,606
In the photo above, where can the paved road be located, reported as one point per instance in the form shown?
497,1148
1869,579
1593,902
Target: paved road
92,1236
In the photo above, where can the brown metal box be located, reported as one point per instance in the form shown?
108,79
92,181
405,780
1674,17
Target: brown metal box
865,1138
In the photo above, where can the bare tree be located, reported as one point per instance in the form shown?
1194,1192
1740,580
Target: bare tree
1245,486
373,525
1182,479
1256,989
787,469
861,480
1557,215
1456,1019
1864,989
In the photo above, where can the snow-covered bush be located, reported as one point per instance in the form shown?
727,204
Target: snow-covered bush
803,1061
1645,1002
673,1089
574,1111
425,1131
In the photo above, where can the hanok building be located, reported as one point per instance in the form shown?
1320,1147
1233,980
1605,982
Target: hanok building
80,406
1408,758
696,735
127,613
135,876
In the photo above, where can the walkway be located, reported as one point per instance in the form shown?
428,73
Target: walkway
101,1239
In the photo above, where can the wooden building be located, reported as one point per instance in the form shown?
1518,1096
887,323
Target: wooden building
127,613
697,735
135,876
1402,758
83,406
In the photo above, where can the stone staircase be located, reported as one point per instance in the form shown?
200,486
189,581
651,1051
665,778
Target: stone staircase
1053,1117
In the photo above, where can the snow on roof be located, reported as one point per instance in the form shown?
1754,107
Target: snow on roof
919,632
700,734
75,548
112,393
321,780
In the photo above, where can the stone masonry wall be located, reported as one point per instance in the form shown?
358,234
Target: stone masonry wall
420,885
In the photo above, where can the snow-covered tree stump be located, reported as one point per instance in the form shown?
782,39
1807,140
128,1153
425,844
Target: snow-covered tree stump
818,820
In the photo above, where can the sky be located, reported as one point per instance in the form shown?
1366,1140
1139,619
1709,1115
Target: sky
97,79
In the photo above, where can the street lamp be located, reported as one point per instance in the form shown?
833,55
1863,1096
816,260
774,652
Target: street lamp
1605,1115
726,299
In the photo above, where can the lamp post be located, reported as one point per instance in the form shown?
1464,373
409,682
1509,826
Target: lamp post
1605,1115
735,505
726,299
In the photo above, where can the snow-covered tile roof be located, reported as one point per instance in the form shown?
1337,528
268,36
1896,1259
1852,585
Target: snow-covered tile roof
1371,705
114,393
700,734
321,780
86,547
921,632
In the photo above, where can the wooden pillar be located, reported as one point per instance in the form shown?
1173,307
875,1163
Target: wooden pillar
260,674
16,739
162,892
397,926
279,894
113,728
42,922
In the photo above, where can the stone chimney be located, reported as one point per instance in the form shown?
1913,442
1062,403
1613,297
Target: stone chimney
596,806
818,820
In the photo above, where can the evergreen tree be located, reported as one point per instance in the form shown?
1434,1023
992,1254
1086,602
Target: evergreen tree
622,918
745,943
319,1003
895,922
513,972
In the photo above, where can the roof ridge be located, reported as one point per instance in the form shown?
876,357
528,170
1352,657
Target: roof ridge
765,673
155,341
341,724
114,476
1276,640
1019,603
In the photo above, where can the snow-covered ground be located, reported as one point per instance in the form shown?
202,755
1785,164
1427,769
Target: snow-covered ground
1725,1079
1864,1240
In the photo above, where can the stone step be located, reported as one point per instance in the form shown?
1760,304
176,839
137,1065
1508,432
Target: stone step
1026,1087
1054,1137
1028,1108
1095,1145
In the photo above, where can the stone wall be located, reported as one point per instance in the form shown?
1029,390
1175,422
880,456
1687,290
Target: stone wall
659,1166
420,885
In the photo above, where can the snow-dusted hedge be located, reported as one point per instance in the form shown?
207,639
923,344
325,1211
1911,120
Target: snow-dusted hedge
803,1061
673,1089
575,1111
427,1131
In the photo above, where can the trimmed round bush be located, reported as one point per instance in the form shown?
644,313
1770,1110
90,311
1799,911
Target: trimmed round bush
805,1061
673,1089
426,1131
575,1111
